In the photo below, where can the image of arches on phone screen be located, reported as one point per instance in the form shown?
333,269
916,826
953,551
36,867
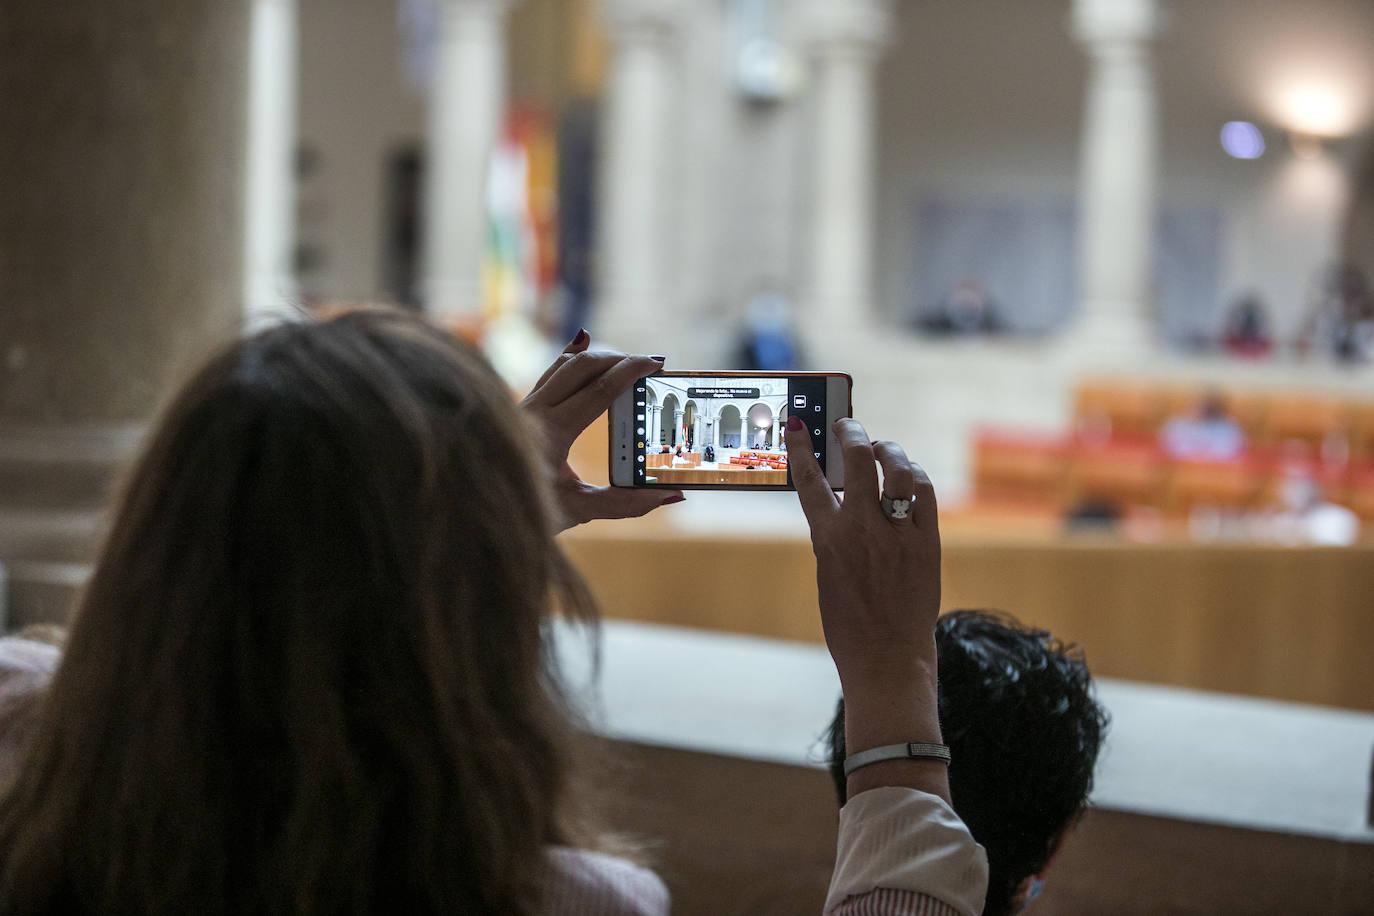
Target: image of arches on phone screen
722,431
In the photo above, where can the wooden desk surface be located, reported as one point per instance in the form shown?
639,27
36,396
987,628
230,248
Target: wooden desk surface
1287,623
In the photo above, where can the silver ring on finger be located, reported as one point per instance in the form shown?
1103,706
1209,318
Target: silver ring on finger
898,507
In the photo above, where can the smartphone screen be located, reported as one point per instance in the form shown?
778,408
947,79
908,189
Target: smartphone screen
721,431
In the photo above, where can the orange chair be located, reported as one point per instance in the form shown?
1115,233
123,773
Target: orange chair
1233,485
1362,432
1359,491
1017,467
1249,409
1281,465
1322,421
1127,410
1126,475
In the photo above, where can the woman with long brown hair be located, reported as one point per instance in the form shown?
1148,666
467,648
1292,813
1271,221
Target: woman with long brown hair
310,673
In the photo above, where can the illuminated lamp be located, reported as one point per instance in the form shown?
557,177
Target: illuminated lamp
1242,140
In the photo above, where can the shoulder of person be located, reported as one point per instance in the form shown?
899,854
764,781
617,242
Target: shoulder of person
26,666
582,881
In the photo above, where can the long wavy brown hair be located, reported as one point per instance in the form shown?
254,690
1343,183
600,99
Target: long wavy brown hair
310,673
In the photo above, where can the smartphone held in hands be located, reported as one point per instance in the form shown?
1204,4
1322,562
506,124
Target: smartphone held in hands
717,430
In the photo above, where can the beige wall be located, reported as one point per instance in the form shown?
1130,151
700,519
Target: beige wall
990,102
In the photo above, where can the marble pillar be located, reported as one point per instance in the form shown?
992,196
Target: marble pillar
269,223
466,105
673,440
1118,172
121,252
845,39
633,301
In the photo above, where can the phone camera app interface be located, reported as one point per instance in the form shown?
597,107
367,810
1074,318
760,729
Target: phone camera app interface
724,430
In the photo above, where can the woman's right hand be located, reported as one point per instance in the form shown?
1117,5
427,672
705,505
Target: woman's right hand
878,580
579,387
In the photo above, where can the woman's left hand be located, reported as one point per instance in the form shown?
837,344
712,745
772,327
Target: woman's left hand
579,387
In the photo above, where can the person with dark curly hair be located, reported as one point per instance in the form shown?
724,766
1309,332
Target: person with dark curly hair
1023,728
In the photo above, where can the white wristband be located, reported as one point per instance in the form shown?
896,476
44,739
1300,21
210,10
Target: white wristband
913,750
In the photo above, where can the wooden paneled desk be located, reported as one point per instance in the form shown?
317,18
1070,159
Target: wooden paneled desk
1288,623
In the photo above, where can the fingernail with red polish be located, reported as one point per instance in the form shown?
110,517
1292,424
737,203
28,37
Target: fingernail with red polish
673,499
795,423
582,337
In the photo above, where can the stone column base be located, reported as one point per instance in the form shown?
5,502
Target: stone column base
55,482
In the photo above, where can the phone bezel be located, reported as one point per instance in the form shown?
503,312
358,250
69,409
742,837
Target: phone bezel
620,436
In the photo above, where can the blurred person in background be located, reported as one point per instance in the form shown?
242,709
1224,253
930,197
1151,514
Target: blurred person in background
1341,319
768,342
1305,516
1024,731
1209,434
1246,329
968,309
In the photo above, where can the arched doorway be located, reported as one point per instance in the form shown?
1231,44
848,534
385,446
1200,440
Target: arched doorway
730,427
761,425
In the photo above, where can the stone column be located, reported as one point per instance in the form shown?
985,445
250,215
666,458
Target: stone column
846,39
1118,171
466,105
632,301
677,427
270,185
655,424
121,252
